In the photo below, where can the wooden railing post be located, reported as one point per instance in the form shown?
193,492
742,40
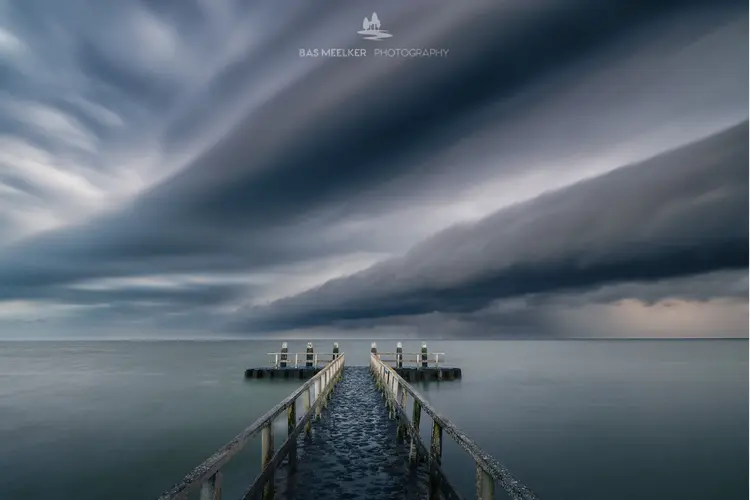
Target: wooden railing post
291,423
306,401
317,397
392,397
211,489
401,432
266,456
416,417
436,452
485,485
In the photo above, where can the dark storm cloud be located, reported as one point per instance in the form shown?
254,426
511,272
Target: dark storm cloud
326,141
183,295
328,136
340,130
681,213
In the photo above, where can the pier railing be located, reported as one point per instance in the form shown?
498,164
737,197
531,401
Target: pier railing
418,358
300,359
207,476
488,470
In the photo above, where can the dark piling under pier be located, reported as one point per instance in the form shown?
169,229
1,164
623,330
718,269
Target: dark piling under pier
414,374
288,372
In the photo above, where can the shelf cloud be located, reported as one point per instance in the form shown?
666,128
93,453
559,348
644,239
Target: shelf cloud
180,167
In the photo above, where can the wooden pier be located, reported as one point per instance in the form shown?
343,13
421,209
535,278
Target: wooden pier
354,435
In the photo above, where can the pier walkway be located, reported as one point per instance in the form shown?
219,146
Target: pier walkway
353,453
353,440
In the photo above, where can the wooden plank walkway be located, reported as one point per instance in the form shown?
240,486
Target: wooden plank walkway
353,453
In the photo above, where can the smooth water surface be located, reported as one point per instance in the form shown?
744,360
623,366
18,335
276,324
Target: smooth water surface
572,419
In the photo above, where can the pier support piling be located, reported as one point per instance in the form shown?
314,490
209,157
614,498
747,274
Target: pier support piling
401,431
306,401
267,452
317,399
436,453
416,417
485,485
291,423
211,489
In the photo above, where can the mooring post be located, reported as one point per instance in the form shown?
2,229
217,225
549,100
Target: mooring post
416,417
485,485
211,489
424,354
306,402
309,357
436,452
284,355
266,456
291,423
399,355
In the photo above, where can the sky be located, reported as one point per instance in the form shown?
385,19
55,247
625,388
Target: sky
564,169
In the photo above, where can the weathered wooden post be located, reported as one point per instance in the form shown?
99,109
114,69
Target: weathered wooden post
266,456
211,489
401,432
424,354
485,485
306,401
399,355
284,355
393,390
416,417
436,453
291,423
335,350
318,389
309,357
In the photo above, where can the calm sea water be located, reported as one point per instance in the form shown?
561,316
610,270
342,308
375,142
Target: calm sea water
572,419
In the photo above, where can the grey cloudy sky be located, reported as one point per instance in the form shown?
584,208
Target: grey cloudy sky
572,168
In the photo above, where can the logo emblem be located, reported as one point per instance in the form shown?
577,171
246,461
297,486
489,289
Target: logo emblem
371,29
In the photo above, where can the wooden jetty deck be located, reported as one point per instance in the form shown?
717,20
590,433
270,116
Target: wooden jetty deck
364,444
304,365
